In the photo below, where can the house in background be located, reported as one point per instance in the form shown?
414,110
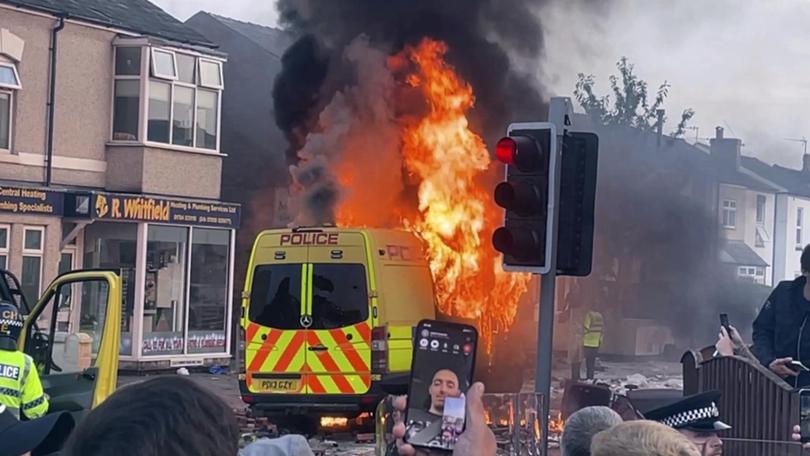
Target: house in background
110,158
254,171
745,211
792,214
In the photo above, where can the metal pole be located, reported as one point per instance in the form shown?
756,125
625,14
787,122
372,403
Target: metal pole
559,110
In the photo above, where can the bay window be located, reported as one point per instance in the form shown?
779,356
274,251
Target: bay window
167,96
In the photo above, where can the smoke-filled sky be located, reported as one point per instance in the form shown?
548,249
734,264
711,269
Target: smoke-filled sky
741,65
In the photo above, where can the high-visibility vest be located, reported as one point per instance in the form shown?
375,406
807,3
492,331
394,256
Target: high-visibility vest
20,388
594,324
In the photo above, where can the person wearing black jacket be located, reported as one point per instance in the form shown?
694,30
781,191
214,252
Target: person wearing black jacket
782,328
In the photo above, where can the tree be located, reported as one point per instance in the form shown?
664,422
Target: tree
630,106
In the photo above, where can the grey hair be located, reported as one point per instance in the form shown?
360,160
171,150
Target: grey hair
582,425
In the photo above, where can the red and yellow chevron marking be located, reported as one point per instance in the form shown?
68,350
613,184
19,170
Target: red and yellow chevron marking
344,369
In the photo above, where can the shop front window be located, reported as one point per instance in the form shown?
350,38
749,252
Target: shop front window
165,290
208,300
113,246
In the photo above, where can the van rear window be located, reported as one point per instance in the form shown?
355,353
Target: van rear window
275,296
339,295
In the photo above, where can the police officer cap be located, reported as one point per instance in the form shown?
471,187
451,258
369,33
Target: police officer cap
698,412
11,322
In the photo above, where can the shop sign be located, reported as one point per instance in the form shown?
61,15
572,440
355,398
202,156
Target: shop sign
163,344
23,200
110,206
206,341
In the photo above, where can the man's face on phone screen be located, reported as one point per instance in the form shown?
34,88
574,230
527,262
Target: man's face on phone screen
444,384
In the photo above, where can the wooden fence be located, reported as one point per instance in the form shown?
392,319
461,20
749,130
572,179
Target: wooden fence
761,407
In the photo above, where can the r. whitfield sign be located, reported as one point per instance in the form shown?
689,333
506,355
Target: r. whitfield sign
23,200
110,206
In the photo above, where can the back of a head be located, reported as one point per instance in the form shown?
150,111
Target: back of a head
642,438
582,425
165,415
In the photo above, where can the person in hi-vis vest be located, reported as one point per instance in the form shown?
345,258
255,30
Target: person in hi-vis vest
20,389
592,339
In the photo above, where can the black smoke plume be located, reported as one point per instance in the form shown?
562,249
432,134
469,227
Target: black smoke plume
487,41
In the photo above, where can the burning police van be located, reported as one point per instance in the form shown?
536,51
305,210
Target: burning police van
328,315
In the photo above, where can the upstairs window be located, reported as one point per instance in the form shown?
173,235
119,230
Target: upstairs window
176,102
9,84
729,214
163,64
9,78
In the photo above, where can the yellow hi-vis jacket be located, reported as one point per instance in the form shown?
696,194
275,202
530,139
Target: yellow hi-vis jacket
20,388
594,324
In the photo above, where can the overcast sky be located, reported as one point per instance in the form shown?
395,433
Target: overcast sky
743,65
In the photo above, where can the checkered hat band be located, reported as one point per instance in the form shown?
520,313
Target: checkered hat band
691,416
11,322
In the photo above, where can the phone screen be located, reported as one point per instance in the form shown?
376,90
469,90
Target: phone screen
804,414
724,322
441,374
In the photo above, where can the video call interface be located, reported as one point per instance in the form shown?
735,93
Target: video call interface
443,363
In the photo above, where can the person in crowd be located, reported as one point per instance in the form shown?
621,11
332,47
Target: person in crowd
781,333
582,425
697,418
39,436
593,326
20,388
288,445
733,345
425,425
476,440
162,416
642,438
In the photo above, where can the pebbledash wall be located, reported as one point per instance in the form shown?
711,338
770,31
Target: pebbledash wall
135,178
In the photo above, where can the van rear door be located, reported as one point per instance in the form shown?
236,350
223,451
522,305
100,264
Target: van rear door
275,355
339,339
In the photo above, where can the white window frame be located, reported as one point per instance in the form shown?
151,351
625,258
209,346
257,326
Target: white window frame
764,200
13,67
37,253
145,77
129,77
153,66
799,228
219,86
729,207
6,249
10,94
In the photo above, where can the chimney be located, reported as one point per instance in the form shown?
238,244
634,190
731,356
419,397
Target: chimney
806,163
725,150
660,114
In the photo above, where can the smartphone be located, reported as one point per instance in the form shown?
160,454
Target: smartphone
724,323
441,373
804,414
798,366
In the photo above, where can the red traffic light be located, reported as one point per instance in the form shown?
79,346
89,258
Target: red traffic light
505,150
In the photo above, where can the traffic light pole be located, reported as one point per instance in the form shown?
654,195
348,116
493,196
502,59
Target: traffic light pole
559,110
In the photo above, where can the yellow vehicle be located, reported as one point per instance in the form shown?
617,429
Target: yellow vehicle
73,380
328,315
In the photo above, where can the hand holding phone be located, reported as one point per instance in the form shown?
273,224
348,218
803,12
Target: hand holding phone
724,323
441,373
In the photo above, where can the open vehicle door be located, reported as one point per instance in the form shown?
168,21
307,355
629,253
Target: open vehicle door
77,372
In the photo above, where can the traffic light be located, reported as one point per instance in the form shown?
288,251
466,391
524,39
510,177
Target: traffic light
529,153
578,167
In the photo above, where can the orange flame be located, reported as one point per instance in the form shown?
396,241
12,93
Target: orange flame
556,425
450,166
